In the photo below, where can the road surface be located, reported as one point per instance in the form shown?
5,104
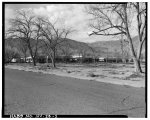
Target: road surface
37,93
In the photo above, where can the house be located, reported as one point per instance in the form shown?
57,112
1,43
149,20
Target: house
14,60
76,56
29,59
101,59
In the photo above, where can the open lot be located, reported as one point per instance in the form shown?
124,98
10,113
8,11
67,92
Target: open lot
122,74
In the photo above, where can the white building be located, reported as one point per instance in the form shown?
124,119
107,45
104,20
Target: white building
29,59
14,60
101,59
76,56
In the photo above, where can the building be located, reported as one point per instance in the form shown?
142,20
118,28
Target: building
76,56
14,60
101,59
29,59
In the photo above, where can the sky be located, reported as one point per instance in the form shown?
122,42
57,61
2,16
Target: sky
72,15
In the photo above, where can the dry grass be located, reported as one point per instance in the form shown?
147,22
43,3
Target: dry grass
134,75
92,75
111,73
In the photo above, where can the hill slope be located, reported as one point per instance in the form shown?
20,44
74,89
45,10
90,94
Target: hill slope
68,47
113,46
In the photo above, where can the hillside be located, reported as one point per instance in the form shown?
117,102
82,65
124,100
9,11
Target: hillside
69,47
113,46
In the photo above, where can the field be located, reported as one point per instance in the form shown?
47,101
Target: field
122,74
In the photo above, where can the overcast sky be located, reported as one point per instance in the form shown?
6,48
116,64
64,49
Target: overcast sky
74,15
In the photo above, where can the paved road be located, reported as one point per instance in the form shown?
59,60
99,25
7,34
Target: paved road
37,93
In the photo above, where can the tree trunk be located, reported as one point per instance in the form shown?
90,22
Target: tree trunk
135,59
53,63
25,58
140,49
34,61
137,65
31,53
53,59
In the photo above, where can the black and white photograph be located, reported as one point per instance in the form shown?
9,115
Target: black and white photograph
74,59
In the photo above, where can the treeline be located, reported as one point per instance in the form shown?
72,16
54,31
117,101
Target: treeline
70,59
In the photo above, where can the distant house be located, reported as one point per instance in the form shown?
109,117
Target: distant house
29,59
101,59
76,56
14,60
22,59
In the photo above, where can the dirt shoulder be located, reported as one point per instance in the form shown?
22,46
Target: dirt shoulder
121,74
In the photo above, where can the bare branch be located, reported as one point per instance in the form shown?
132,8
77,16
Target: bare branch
105,34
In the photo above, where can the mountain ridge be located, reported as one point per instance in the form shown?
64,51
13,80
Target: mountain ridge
101,48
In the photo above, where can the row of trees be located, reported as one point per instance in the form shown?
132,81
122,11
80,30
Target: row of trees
35,32
116,19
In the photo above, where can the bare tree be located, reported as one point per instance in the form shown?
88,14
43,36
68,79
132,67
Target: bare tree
112,20
23,48
23,27
141,23
52,36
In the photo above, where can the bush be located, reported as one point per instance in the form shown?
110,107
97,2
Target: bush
10,53
92,75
